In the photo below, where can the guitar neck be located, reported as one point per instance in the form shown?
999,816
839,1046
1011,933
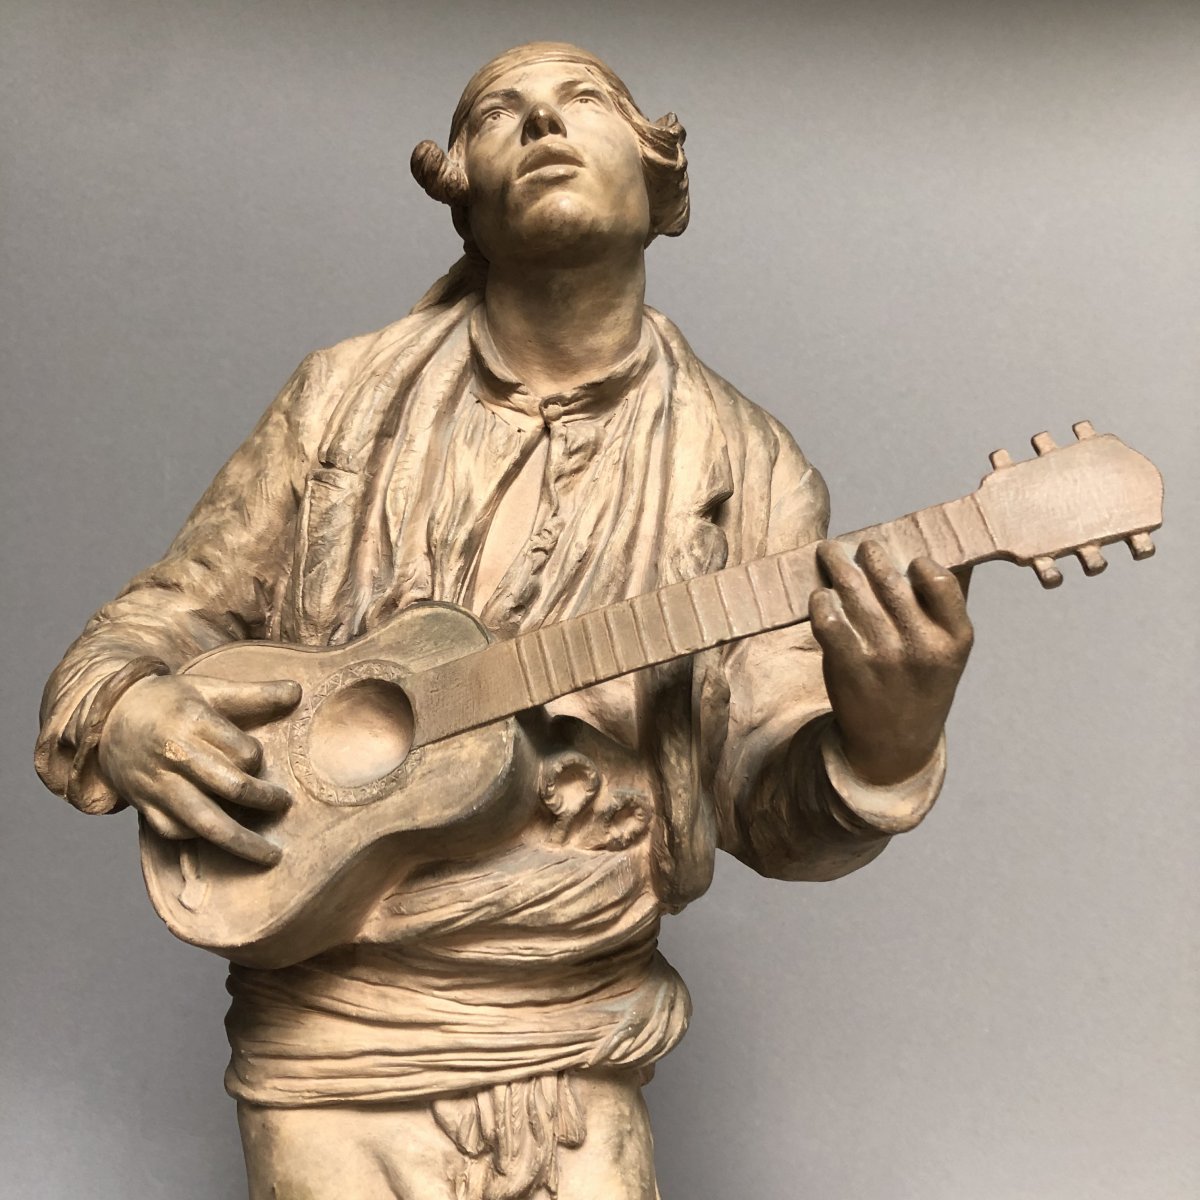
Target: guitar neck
534,668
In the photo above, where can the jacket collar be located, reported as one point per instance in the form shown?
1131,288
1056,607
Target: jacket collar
499,386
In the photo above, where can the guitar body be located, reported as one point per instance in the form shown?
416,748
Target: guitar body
366,806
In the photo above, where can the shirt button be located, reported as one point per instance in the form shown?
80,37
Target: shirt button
551,411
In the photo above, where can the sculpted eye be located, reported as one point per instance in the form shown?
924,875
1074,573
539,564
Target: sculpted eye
491,116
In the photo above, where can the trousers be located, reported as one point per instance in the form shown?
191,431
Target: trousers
403,1152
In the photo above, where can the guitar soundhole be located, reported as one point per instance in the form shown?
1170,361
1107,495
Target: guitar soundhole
360,733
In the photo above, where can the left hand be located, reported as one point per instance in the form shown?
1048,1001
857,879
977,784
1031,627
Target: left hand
894,647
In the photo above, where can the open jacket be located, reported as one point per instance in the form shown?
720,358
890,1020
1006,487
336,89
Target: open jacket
324,521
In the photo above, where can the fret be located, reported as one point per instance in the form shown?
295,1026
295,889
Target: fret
971,529
912,536
583,666
766,581
558,659
511,685
954,534
626,637
656,638
797,570
683,623
798,604
600,644
534,667
741,605
710,609
941,539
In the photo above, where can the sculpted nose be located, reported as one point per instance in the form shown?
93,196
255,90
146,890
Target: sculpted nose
541,121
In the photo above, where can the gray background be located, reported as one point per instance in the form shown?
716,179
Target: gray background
921,231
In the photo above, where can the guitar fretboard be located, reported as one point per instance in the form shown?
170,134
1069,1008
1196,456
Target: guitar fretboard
684,618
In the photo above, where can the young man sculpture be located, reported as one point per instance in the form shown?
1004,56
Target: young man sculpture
530,442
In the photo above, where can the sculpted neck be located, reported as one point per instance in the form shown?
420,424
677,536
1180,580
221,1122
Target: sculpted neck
559,326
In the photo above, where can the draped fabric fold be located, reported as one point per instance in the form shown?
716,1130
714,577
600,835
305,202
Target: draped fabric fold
542,961
377,530
543,958
370,484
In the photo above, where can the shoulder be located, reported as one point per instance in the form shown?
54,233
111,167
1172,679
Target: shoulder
364,351
753,435
314,395
796,492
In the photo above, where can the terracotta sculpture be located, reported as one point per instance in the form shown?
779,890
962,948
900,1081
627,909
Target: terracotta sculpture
471,1005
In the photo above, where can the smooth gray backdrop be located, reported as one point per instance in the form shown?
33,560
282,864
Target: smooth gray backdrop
921,231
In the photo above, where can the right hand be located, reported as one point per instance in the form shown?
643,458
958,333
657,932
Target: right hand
172,748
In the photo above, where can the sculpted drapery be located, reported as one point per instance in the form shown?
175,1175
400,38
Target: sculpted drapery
323,521
348,503
490,1008
369,484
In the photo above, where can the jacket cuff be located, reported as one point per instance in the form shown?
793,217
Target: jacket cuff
889,808
87,789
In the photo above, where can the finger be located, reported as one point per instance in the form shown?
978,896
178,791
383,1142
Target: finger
894,591
963,575
251,703
833,632
237,745
942,597
860,605
165,826
217,775
185,802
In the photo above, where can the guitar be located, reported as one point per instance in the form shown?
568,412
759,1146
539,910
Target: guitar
407,740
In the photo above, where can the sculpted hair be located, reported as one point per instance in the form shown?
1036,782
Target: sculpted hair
440,176
664,164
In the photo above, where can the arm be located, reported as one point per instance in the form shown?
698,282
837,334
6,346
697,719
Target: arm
220,581
833,739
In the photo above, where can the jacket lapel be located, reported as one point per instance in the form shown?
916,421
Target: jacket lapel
343,546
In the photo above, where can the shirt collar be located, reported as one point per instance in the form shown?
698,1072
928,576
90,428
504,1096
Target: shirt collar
498,384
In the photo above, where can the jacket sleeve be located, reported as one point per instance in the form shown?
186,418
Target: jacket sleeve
788,805
220,581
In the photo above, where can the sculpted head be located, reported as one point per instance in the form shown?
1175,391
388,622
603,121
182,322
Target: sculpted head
551,159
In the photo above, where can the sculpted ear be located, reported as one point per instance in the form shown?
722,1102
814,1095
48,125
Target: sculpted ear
440,176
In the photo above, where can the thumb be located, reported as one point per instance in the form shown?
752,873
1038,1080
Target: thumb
250,703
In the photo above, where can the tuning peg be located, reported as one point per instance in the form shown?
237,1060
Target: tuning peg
1083,429
1047,572
1000,459
1140,546
1043,443
1091,558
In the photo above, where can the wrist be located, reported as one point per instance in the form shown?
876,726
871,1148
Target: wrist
87,789
893,807
885,765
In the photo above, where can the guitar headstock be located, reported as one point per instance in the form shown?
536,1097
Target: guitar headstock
1071,499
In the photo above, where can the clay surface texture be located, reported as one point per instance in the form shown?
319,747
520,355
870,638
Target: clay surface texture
505,619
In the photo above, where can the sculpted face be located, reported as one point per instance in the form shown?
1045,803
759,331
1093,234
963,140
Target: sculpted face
555,170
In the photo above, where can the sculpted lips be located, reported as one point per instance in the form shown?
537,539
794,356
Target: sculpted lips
549,154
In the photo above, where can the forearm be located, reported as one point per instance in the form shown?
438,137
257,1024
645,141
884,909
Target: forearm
150,621
809,817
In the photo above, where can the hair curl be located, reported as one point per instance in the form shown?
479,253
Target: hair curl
440,176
